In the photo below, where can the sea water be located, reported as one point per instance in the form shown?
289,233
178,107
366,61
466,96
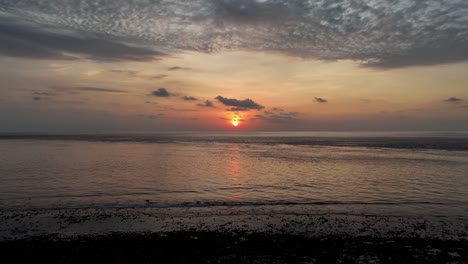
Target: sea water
402,174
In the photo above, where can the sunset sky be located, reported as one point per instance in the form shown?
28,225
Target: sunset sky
148,65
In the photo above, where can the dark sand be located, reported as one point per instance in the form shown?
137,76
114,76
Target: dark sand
232,247
226,235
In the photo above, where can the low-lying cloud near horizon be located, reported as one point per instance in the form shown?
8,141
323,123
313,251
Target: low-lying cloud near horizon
239,105
382,34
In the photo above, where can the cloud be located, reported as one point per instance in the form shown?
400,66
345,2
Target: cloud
98,89
207,103
157,116
277,109
321,100
31,41
189,98
168,107
137,74
155,77
39,93
375,33
277,115
86,89
453,100
178,68
235,109
126,72
245,104
161,92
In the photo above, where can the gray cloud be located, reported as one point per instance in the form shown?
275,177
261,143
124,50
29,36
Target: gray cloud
137,74
376,33
277,115
39,93
98,89
245,104
126,72
73,89
189,98
236,109
161,92
178,68
157,116
207,103
31,41
156,77
321,100
453,100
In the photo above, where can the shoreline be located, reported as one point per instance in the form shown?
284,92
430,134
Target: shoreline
227,235
307,221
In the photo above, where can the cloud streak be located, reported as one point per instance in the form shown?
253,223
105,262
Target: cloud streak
376,33
207,103
152,117
245,104
189,98
453,100
98,89
83,89
30,41
137,74
276,115
178,68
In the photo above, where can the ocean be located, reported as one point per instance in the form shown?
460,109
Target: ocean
369,174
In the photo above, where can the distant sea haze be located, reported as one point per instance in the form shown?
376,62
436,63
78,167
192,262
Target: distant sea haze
403,174
402,140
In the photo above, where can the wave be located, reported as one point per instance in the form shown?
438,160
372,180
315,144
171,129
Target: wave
212,204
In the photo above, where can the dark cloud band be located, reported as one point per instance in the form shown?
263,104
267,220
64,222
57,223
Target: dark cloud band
376,33
32,42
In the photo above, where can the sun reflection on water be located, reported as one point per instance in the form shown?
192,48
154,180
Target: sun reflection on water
233,170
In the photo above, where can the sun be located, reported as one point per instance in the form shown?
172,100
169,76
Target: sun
235,122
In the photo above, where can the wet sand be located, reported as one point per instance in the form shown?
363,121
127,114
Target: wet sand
226,235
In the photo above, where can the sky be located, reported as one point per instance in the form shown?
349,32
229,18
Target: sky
203,65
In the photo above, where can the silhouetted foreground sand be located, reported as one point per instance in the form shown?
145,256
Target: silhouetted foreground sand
227,235
231,247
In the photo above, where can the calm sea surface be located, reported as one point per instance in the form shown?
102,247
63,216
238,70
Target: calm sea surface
367,173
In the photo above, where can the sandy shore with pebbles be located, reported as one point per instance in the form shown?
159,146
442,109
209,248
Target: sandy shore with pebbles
230,234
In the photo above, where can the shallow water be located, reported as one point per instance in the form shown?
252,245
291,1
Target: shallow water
367,174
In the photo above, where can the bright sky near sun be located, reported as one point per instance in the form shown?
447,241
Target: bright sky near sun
233,65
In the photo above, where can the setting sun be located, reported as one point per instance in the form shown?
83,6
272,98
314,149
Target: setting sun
235,122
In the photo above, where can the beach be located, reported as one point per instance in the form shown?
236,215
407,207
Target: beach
228,236
234,131
256,199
